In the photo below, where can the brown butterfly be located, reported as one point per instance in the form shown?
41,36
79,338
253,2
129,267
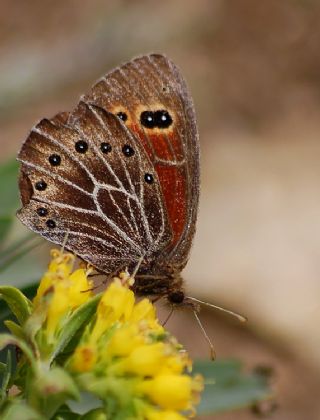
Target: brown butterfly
119,175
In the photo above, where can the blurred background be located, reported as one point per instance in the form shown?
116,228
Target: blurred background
254,72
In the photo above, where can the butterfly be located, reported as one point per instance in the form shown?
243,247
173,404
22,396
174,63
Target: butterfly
118,177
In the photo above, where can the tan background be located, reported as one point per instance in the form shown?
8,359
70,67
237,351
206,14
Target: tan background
253,68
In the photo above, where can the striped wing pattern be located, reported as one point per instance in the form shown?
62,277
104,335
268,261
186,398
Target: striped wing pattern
113,186
149,83
101,201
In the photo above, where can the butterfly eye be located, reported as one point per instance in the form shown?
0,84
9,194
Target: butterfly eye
122,116
162,119
176,296
147,119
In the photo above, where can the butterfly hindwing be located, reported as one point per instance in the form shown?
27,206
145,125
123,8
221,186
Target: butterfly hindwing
150,96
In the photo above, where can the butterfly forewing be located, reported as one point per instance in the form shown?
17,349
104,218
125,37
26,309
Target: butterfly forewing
86,177
151,97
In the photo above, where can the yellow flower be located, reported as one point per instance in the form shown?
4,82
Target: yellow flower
123,356
172,391
66,290
163,415
115,305
84,358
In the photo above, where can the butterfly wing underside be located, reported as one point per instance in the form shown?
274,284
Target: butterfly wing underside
83,180
152,86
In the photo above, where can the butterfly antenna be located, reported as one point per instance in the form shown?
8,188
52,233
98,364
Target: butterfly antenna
204,332
65,240
235,314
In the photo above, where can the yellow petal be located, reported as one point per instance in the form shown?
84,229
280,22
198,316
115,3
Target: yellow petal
164,415
145,360
84,358
170,391
124,341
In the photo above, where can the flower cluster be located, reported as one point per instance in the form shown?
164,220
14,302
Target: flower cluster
126,356
111,346
60,292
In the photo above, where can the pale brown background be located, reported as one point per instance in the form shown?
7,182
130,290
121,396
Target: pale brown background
254,71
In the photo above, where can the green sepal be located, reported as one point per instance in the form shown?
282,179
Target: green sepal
14,328
50,389
78,319
228,388
7,339
20,305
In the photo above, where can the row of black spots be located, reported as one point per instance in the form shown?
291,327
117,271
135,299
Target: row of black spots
43,212
156,119
81,147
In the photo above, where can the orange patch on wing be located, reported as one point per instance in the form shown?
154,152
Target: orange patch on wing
172,180
176,145
137,130
161,146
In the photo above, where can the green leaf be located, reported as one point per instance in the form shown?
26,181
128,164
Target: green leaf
227,388
6,377
78,319
29,291
9,187
65,413
7,340
17,302
51,389
14,328
19,410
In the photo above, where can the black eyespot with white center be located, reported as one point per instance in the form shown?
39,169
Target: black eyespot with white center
54,160
122,116
41,211
51,224
81,146
41,185
148,178
105,148
147,119
127,150
162,119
